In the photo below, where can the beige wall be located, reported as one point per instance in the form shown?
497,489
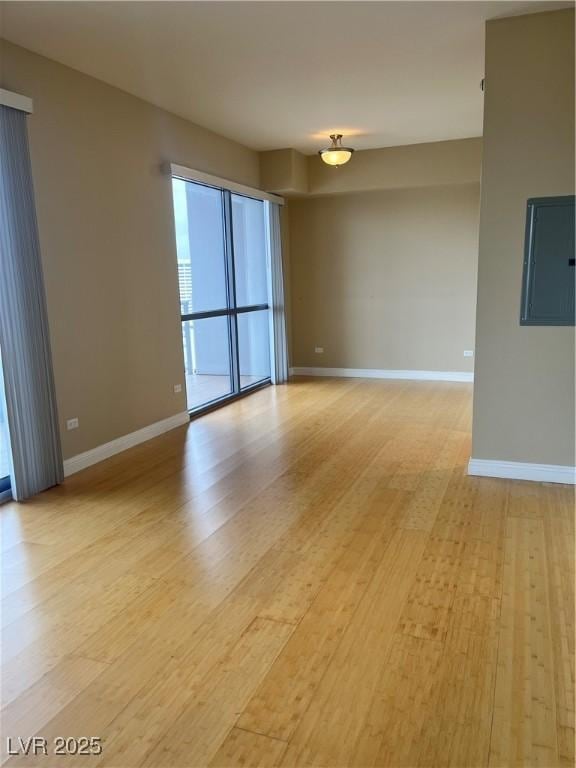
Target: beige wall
524,390
416,165
108,249
284,171
385,279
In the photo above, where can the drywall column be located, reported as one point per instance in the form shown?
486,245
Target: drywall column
524,376
284,171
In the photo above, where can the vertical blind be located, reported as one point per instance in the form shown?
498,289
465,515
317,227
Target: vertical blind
24,335
279,355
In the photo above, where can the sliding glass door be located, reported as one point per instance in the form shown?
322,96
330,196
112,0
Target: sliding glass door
202,276
223,279
251,289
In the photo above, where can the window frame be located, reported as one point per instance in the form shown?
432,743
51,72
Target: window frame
232,310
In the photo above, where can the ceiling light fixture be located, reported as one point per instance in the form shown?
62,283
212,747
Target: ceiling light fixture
336,154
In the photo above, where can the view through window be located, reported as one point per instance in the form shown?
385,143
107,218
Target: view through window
223,280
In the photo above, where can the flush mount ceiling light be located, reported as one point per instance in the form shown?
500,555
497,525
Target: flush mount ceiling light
336,154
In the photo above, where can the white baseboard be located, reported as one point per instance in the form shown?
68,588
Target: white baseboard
101,452
517,470
376,373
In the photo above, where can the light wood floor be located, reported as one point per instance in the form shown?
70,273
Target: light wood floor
304,578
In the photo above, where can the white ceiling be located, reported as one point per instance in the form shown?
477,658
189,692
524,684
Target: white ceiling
282,74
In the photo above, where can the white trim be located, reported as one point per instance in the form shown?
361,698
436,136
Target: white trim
16,101
517,470
376,373
190,174
101,452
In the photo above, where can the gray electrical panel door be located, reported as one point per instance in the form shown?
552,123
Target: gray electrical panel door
549,262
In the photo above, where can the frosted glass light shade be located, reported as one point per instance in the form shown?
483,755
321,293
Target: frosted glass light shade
336,154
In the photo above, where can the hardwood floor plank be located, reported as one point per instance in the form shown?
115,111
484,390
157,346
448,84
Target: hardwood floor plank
559,540
202,727
477,520
249,750
156,488
307,577
46,642
257,528
524,721
42,701
260,592
327,732
401,726
432,705
283,697
430,599
422,510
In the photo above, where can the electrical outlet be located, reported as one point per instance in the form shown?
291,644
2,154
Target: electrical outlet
319,350
72,424
468,353
177,387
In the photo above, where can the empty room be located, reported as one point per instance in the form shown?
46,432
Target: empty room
287,384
